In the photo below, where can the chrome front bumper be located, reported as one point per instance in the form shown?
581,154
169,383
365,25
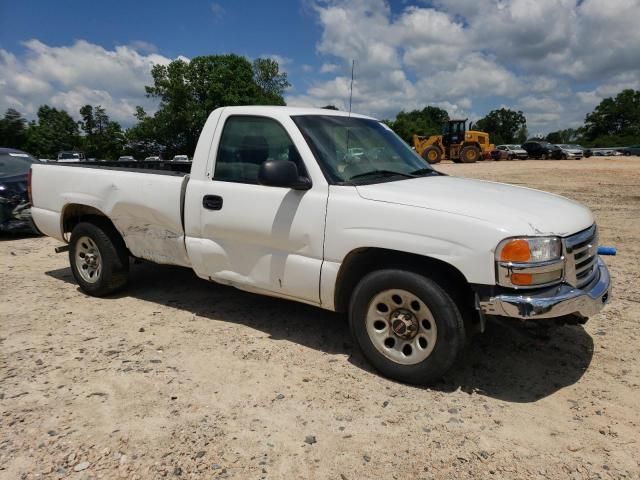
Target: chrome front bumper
553,302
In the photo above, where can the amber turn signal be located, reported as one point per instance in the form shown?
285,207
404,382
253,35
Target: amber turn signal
521,278
516,251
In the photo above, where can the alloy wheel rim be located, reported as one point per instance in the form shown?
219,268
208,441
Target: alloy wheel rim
88,259
401,326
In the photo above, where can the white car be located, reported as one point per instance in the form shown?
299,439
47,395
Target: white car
571,152
152,159
126,158
419,260
181,158
514,151
71,157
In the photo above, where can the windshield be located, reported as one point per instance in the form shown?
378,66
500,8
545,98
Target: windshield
15,163
359,150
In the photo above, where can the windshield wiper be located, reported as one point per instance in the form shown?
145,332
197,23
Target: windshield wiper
381,173
425,171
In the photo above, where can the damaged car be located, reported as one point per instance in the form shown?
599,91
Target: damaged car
15,210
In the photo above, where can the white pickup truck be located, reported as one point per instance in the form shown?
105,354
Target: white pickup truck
277,203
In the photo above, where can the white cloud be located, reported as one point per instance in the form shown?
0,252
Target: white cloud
71,76
480,55
217,10
328,68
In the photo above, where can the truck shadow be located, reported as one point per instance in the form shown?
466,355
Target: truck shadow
501,363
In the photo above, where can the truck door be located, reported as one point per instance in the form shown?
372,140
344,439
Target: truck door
257,238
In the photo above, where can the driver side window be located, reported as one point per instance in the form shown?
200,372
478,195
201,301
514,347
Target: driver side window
246,143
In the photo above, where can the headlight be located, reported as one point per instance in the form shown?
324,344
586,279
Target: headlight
529,262
535,249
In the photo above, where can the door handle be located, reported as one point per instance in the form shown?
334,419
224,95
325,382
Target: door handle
212,202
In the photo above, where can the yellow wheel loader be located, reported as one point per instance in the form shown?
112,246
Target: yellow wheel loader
456,144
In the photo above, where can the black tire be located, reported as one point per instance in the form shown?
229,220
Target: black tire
114,257
450,338
469,154
432,154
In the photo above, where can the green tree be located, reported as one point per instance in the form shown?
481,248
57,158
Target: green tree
522,134
13,129
615,121
140,140
270,80
189,92
503,126
103,138
427,121
568,135
54,131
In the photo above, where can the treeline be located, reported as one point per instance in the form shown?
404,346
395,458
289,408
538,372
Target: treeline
503,125
614,122
187,91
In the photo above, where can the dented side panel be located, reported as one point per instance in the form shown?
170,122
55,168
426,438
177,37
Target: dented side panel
144,207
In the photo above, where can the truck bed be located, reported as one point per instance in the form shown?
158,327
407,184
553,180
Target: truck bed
145,204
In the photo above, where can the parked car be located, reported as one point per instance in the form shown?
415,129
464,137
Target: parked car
379,239
631,150
514,152
542,149
499,154
181,158
604,152
71,157
587,152
126,158
15,210
571,152
152,159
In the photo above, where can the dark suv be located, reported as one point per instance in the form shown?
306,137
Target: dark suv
542,149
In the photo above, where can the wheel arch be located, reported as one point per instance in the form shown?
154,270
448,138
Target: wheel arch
361,261
74,213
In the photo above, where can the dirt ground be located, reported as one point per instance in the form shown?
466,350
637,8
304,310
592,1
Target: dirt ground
180,378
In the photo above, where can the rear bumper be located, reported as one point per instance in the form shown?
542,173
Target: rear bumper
553,302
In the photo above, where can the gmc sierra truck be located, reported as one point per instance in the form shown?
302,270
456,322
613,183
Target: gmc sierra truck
334,210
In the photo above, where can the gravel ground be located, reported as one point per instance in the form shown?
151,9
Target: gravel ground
180,378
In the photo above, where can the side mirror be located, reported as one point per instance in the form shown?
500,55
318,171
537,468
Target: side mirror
282,173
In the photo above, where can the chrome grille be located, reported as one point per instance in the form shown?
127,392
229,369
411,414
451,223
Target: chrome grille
581,253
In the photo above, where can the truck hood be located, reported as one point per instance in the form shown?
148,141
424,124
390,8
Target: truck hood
513,210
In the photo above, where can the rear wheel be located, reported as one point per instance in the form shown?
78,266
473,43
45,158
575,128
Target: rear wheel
99,258
469,154
432,154
407,326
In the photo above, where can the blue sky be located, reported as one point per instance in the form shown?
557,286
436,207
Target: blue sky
251,28
553,59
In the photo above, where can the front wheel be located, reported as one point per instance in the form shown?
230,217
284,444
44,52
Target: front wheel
432,154
99,258
469,154
406,325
